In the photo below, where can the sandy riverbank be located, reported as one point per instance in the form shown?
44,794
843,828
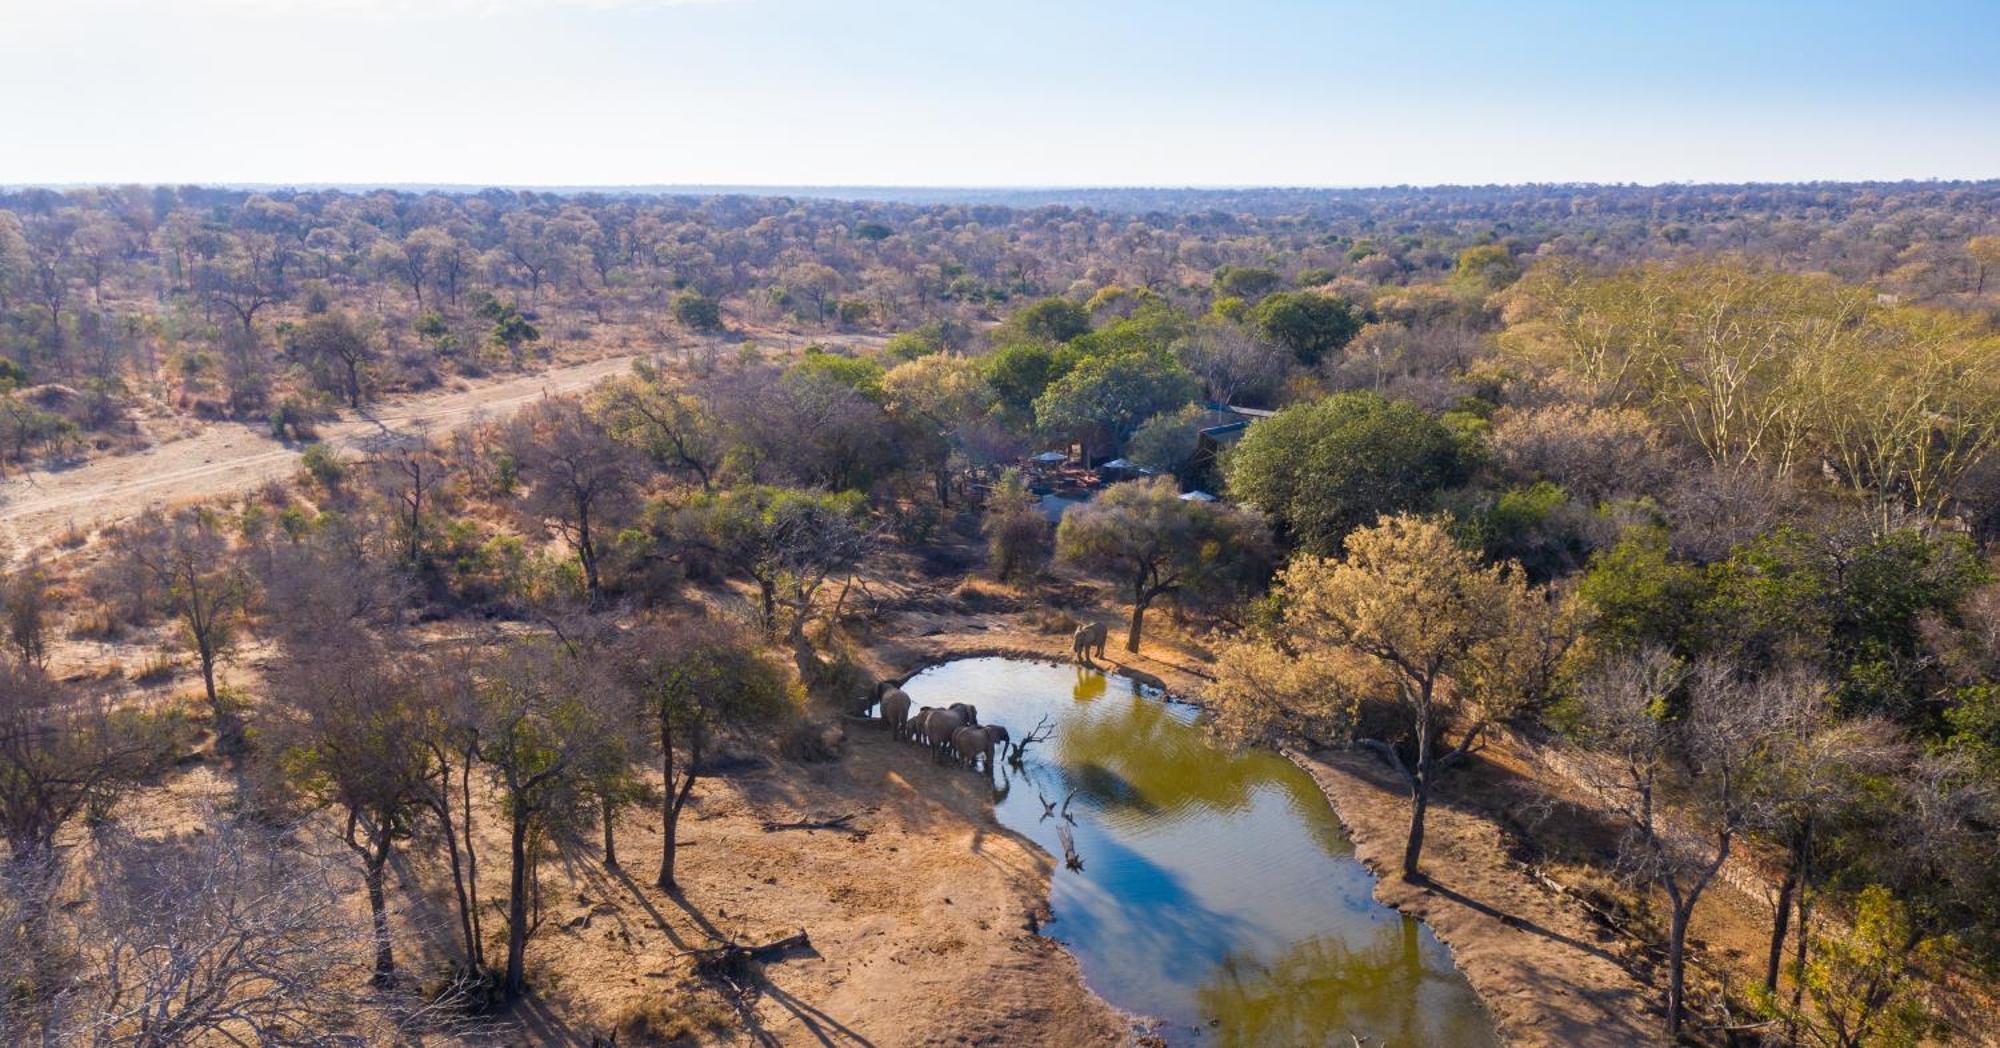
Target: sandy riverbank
1545,971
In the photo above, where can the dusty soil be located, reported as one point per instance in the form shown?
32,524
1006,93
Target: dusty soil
917,917
43,507
230,458
918,920
1546,972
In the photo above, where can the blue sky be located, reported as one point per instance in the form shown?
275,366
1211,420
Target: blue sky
958,92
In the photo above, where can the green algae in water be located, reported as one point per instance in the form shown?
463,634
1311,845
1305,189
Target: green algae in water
1219,894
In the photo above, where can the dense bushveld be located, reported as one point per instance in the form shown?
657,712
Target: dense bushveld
1695,482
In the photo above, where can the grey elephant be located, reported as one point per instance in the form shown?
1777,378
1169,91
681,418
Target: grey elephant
917,730
1089,637
940,729
973,743
895,707
966,710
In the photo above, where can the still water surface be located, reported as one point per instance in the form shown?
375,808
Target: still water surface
1219,893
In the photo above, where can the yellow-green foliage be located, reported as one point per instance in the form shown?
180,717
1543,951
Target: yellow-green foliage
1789,372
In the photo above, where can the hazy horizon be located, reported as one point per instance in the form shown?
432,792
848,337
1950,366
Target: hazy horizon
904,94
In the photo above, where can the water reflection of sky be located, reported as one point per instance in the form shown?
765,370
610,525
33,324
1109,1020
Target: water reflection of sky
1219,893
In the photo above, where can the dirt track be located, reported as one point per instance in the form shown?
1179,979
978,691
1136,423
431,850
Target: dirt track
229,457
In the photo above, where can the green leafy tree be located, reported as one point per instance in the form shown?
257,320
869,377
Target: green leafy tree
1862,984
861,376
354,744
675,426
697,312
1051,320
942,401
1850,597
1166,443
1485,268
1310,324
1144,536
788,540
1249,283
1321,469
512,331
1019,372
337,351
542,720
1635,595
1104,400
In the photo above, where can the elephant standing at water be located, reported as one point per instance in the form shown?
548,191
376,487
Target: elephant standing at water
895,704
1089,637
975,742
939,728
918,728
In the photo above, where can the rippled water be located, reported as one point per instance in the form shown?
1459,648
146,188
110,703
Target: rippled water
1219,894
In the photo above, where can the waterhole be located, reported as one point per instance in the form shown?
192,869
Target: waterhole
1218,894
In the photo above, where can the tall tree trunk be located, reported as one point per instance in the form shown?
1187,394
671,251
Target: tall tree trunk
1799,944
1420,799
1138,615
669,813
1676,966
516,981
471,865
378,911
1780,919
610,840
676,800
442,807
1420,790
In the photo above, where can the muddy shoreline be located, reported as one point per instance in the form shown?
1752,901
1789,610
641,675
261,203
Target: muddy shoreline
1536,964
1534,961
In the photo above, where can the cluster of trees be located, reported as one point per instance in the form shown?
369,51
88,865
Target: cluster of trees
277,304
1716,527
362,736
1714,524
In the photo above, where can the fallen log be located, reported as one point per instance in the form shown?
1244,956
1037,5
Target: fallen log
838,822
732,960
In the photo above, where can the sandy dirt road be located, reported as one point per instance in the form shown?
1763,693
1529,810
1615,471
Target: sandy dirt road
229,458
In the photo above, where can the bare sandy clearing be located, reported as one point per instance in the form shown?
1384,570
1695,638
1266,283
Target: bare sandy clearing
229,458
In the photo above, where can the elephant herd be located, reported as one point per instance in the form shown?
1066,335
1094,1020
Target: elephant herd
950,732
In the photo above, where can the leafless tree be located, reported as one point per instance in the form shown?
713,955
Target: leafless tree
189,559
581,479
228,936
1818,768
351,732
409,475
61,754
1676,752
